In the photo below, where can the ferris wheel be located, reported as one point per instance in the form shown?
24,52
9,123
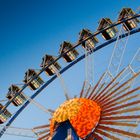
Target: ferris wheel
107,108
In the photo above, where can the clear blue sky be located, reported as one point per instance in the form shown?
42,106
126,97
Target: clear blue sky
31,28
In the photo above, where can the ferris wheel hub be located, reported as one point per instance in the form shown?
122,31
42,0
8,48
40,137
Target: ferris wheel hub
83,114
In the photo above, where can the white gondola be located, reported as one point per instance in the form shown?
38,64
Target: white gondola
109,33
19,99
128,13
36,83
90,43
71,55
47,60
4,115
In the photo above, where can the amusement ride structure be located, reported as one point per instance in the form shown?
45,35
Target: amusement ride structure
108,109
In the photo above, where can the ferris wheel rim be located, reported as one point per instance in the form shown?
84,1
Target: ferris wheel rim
136,30
60,56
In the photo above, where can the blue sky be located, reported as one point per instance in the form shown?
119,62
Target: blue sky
31,28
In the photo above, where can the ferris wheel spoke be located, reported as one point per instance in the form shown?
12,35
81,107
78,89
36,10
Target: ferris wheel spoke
106,134
106,78
88,45
44,137
21,132
89,69
88,91
118,53
94,135
96,86
122,91
113,101
86,69
50,111
135,61
133,66
132,69
118,131
82,91
108,85
42,132
85,91
102,86
41,127
108,82
62,83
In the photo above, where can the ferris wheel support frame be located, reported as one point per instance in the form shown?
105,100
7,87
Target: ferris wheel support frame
62,71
